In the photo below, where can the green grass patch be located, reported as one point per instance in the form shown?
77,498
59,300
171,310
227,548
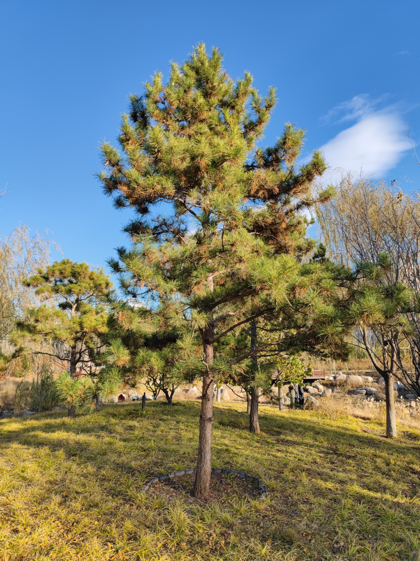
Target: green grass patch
338,490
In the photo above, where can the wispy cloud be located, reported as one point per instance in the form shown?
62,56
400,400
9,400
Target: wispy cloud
404,53
353,109
374,145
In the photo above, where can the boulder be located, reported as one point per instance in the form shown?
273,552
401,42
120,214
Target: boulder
340,378
354,380
193,393
359,392
319,387
412,403
327,393
113,399
310,389
311,402
368,379
410,396
370,391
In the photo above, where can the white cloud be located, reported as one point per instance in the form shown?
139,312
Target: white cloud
353,109
374,145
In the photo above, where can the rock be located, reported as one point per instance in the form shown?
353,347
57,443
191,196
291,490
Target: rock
310,389
113,399
319,387
410,396
311,402
412,403
368,379
340,378
370,391
399,386
27,413
326,393
193,393
354,380
359,392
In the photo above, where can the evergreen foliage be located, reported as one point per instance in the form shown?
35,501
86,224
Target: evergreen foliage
219,218
74,314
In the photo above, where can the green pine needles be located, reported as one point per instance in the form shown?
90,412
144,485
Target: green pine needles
219,219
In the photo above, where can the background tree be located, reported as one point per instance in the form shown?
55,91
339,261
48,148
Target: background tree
191,144
21,255
307,321
375,228
74,318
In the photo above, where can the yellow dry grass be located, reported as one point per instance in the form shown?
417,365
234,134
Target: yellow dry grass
72,489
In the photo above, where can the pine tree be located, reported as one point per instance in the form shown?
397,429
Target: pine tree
74,316
230,213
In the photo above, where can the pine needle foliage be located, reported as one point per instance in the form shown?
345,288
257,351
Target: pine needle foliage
73,315
219,219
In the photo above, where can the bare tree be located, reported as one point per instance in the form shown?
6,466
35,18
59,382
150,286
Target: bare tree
365,222
21,254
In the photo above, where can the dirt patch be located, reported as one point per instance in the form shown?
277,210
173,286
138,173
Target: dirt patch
223,488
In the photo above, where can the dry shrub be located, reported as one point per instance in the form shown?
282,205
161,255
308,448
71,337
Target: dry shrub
349,406
360,408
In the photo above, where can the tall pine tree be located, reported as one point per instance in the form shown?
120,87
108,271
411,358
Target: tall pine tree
218,218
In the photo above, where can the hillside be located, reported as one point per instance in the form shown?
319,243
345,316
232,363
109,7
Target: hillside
72,489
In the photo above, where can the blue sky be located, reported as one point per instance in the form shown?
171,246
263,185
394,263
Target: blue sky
347,72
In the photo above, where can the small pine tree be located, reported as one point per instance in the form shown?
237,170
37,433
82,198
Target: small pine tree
74,316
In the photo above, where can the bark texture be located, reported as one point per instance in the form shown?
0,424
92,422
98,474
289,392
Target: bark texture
254,422
391,423
203,473
71,411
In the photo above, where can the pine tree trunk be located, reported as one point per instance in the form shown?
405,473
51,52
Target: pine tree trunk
73,362
203,473
391,423
248,404
168,394
254,423
281,400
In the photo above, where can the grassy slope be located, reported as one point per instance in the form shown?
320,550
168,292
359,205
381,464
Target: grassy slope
71,489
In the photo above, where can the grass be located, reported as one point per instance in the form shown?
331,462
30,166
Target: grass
72,489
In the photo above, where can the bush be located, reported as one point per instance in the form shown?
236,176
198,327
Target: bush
75,392
43,393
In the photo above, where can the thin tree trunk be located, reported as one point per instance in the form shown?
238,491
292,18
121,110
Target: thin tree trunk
169,395
391,423
248,404
203,473
254,423
71,411
281,400
217,395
